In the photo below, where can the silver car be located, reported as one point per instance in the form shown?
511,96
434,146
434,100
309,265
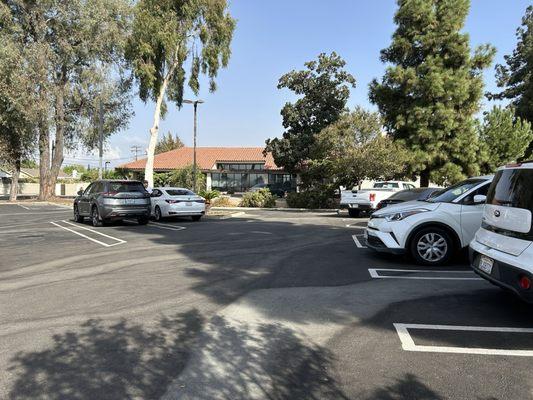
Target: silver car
110,200
175,201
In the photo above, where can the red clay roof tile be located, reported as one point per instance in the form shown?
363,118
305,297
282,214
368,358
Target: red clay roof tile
206,158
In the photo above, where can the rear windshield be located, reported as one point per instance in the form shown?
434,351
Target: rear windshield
122,187
386,185
512,188
179,192
406,195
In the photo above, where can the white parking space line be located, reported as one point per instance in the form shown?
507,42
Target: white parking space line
169,227
408,343
95,231
375,274
118,241
24,207
357,242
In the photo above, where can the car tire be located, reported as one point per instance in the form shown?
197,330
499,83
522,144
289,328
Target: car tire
432,246
95,217
353,213
157,213
77,217
143,220
196,217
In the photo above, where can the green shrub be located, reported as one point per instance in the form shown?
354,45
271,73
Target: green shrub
314,198
261,198
209,195
223,201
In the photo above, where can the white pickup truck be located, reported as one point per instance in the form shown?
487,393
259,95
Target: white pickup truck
359,200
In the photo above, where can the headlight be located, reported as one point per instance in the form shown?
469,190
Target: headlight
403,214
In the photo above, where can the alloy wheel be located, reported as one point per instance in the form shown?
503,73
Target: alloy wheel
432,247
95,217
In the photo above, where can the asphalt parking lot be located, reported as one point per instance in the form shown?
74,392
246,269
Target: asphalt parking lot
262,305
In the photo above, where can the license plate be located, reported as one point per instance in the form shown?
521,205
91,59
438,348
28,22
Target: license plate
129,201
354,205
486,264
188,203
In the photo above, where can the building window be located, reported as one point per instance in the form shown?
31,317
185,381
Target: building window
240,167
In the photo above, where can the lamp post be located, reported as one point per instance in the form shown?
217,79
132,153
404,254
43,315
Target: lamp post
195,105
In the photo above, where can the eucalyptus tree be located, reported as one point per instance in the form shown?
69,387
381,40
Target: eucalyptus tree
73,43
168,37
17,120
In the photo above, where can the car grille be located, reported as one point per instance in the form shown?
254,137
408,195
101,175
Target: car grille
374,241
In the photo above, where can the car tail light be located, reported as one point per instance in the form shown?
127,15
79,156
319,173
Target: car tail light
372,197
379,206
109,194
524,282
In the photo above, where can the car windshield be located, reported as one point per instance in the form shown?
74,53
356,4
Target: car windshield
126,187
386,185
179,192
453,192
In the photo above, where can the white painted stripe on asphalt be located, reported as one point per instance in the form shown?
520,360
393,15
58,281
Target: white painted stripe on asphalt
95,231
357,242
408,343
169,227
85,236
374,274
24,207
35,213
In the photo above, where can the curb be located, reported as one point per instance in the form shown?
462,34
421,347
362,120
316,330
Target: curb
274,209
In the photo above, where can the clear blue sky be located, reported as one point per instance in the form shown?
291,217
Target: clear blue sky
275,36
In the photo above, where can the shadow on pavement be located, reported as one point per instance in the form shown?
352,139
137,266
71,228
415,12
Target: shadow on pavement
408,387
126,360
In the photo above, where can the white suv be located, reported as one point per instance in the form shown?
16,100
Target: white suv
502,250
432,230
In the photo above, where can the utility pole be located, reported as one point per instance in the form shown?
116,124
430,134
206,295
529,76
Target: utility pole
100,137
105,167
135,150
195,105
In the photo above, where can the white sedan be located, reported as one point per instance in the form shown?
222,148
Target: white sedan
174,202
432,230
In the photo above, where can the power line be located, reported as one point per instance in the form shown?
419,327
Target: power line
135,149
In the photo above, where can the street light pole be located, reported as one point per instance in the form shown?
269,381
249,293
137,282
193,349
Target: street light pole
195,105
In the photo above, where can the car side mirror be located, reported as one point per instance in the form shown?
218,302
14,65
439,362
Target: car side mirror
480,199
80,192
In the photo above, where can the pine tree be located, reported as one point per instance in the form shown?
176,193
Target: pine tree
429,95
167,143
516,77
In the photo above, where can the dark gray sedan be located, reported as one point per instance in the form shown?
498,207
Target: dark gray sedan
110,200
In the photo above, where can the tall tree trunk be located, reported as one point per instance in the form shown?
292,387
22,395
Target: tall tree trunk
48,179
15,181
424,178
44,160
154,131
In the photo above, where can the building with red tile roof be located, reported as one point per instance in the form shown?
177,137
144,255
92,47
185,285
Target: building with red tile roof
226,168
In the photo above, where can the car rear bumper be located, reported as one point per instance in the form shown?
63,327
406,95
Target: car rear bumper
356,206
111,213
185,213
503,274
